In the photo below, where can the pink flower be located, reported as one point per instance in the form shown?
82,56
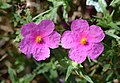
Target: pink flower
38,39
83,40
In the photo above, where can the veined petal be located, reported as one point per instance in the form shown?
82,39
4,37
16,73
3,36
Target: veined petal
52,40
68,40
26,45
45,27
77,54
96,34
95,51
41,53
27,28
79,25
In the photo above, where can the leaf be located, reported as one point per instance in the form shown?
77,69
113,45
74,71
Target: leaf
53,73
18,38
114,36
18,32
69,70
103,7
27,78
4,5
117,23
39,15
44,68
59,54
20,68
74,64
109,75
29,17
65,13
12,74
49,14
114,2
86,77
52,12
106,67
71,79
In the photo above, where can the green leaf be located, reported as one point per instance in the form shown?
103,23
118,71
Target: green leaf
53,73
86,77
117,23
65,13
49,14
114,2
60,55
20,68
18,38
103,7
69,70
18,32
109,75
106,67
12,74
27,78
114,36
52,12
4,5
39,15
29,17
74,64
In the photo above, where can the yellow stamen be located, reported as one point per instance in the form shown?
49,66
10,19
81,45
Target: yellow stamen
83,41
38,39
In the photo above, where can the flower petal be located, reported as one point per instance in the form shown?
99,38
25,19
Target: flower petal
45,27
68,40
79,24
96,34
95,51
27,28
77,54
26,45
41,53
52,40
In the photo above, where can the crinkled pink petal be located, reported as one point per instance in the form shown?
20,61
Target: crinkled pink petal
26,45
77,54
41,53
96,34
27,28
45,27
79,24
95,51
52,40
68,40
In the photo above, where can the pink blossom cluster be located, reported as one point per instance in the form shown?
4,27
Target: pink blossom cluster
38,39
83,40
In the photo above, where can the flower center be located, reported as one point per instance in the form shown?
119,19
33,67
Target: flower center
83,41
38,39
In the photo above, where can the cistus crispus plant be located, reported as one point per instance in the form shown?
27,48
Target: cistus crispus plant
59,41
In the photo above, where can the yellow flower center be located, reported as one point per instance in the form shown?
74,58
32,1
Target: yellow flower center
83,41
38,39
